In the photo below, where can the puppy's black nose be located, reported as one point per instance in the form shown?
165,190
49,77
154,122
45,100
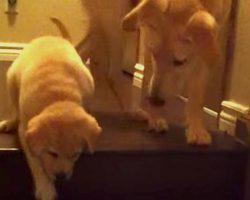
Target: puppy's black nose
61,177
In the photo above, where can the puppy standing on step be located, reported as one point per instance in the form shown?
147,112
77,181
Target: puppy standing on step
49,86
181,36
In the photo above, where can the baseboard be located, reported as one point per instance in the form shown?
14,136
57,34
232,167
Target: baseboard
231,111
10,51
227,123
206,110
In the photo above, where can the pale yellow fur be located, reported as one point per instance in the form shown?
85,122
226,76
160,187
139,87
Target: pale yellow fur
49,87
184,31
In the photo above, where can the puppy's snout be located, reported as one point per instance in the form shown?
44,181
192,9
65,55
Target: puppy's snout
155,97
60,177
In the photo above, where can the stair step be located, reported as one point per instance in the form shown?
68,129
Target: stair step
130,163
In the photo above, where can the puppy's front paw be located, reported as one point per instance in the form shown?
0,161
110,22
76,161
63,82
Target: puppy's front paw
158,125
46,192
139,115
198,136
7,126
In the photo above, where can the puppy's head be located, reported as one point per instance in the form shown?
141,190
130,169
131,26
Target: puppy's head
176,32
171,25
58,135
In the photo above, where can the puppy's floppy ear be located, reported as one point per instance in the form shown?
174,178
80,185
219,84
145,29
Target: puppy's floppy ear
91,132
202,29
136,16
34,138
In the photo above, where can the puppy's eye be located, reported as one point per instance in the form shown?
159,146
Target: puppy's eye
179,62
53,154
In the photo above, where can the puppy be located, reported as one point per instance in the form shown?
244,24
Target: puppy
181,38
49,87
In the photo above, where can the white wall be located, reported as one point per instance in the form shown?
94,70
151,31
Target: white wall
5,107
238,89
32,19
237,99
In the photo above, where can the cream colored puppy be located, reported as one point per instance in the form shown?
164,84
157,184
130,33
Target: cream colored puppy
181,36
49,87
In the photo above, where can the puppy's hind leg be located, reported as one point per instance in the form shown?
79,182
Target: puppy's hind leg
10,125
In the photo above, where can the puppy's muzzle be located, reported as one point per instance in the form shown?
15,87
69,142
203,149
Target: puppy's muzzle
60,181
60,177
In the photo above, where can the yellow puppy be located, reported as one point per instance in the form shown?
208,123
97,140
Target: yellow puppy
49,86
181,36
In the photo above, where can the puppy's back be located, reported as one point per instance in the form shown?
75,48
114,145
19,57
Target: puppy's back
44,49
49,70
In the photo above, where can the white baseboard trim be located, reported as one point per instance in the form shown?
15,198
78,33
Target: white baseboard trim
207,110
10,51
210,112
236,107
228,116
231,111
227,123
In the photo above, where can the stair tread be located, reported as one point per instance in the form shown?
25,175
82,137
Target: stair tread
123,168
124,135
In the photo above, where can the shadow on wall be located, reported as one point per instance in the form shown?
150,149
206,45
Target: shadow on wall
6,110
11,19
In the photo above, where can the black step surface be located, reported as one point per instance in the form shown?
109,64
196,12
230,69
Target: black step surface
130,163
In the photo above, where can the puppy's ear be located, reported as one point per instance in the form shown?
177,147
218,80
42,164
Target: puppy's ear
34,137
91,133
141,12
202,29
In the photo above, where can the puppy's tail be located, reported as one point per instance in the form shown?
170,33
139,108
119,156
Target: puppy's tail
83,47
63,30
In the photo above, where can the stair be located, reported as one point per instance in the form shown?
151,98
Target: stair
131,164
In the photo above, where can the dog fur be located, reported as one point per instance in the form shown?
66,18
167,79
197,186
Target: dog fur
50,87
104,39
181,36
